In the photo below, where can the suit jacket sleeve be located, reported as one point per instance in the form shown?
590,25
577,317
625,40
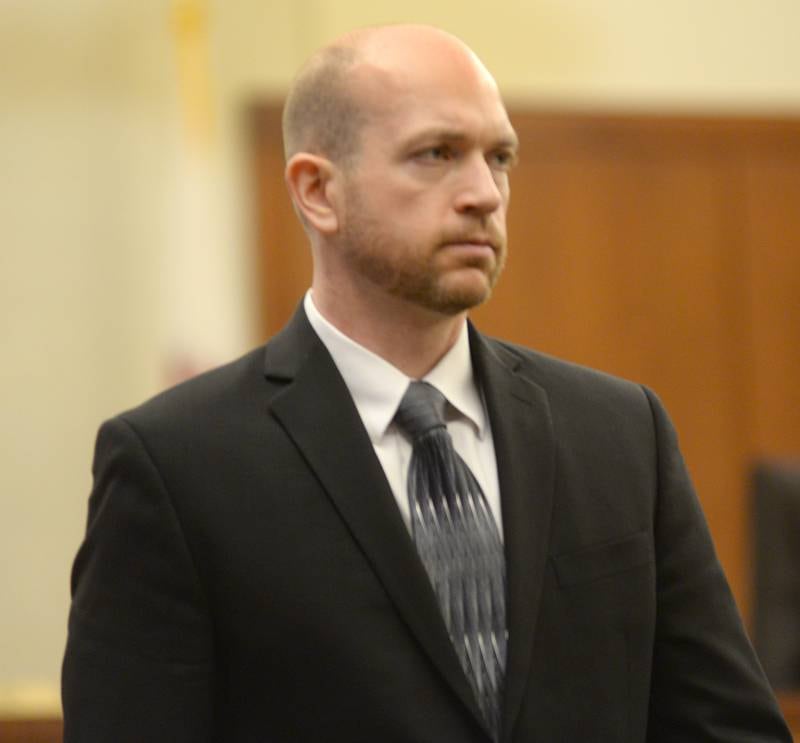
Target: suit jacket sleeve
139,654
707,683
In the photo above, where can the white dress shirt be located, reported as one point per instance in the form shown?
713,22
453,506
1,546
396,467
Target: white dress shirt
377,387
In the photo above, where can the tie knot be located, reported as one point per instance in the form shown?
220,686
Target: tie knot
421,409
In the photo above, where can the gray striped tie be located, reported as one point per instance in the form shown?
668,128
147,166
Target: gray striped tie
459,543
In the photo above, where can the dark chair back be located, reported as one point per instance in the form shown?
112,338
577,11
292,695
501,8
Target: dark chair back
776,512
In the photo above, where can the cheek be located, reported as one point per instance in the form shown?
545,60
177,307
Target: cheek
506,198
505,188
390,205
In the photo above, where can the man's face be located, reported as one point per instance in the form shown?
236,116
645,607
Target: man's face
425,199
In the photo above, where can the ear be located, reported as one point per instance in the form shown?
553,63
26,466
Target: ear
313,185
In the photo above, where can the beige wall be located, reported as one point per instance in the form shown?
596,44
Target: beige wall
103,271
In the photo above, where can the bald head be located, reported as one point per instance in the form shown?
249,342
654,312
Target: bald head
334,94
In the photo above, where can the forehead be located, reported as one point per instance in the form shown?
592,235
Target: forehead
445,91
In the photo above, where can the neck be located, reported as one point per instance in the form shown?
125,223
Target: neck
411,338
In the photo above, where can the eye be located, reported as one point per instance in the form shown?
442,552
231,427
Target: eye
437,153
503,159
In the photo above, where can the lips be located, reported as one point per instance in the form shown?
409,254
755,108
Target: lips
478,242
474,254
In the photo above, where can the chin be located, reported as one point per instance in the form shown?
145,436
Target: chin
457,299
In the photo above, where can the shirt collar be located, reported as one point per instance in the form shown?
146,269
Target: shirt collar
377,386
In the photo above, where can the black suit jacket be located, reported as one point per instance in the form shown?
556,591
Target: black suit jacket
246,574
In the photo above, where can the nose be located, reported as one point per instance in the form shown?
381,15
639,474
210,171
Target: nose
480,188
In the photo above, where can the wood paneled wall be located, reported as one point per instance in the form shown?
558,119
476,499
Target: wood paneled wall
44,730
662,249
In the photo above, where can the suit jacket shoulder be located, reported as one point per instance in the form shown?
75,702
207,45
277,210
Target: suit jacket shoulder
559,375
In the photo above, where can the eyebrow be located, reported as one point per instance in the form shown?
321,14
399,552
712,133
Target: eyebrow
444,134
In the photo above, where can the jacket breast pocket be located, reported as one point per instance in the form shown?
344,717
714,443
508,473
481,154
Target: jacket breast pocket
603,560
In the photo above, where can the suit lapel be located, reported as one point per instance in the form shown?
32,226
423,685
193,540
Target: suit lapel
318,414
525,450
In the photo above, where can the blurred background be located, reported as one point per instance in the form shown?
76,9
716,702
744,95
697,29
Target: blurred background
144,236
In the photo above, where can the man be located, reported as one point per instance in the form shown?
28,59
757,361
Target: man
264,560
